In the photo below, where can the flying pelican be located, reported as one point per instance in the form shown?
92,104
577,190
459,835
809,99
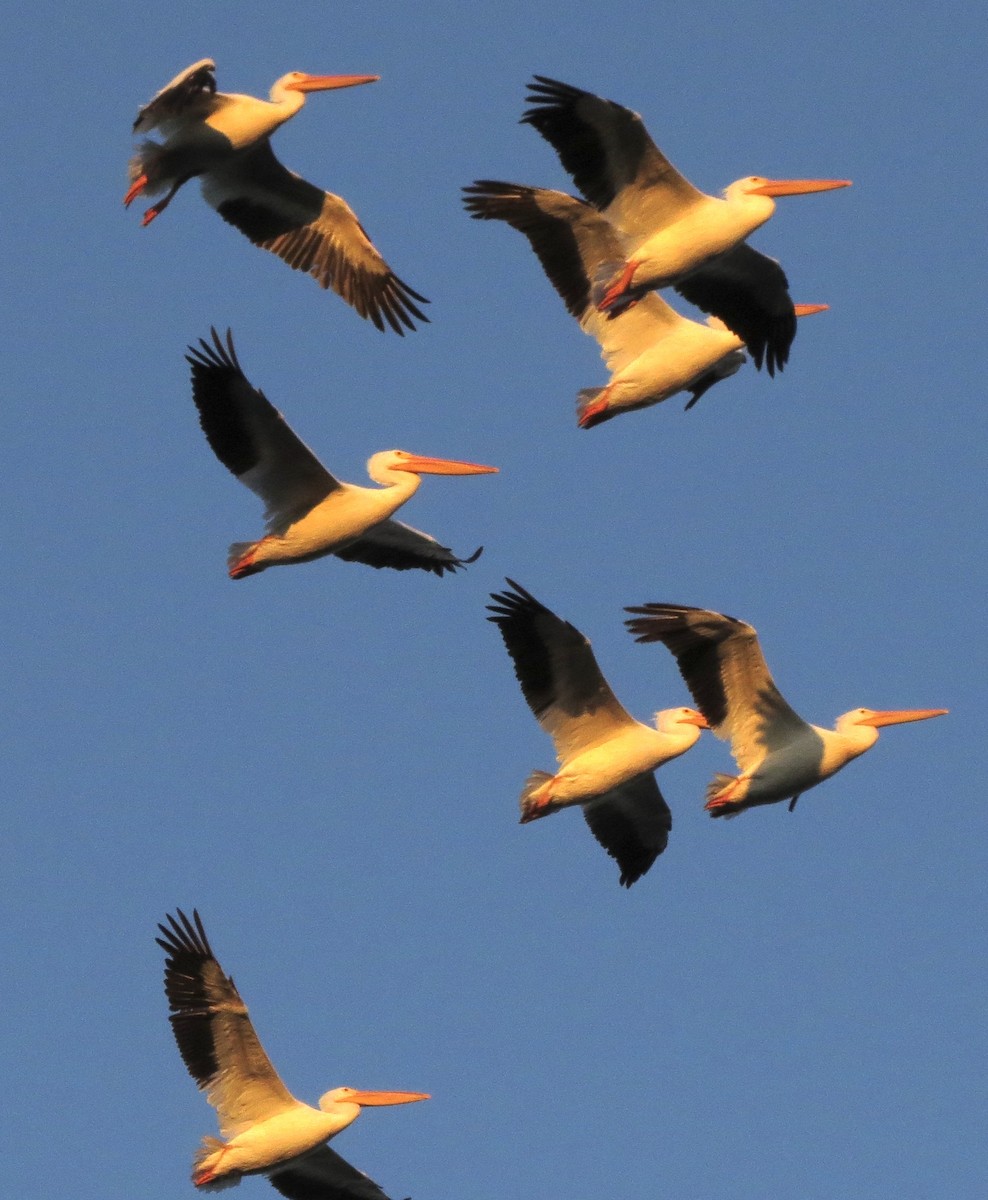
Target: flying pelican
225,139
672,233
606,757
651,351
266,1130
779,754
310,513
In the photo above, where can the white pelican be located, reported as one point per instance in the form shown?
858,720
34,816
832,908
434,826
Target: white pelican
673,234
266,1130
779,754
651,351
310,513
606,757
225,139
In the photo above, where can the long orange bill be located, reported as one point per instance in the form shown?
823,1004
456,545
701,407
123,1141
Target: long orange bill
901,716
386,1097
442,466
797,187
323,83
807,310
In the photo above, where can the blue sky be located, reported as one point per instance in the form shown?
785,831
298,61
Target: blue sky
326,759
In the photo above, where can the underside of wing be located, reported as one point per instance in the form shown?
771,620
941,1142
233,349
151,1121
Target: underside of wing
632,823
190,92
722,663
324,1175
312,231
558,673
251,438
609,153
214,1032
399,546
749,292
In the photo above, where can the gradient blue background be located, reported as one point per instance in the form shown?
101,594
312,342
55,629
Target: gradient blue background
326,760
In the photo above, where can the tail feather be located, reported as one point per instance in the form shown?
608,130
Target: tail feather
729,808
205,1163
531,803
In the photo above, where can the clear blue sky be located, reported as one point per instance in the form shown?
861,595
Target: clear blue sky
326,759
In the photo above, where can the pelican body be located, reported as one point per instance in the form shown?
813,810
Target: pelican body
265,1129
309,512
671,233
780,755
225,140
652,352
606,758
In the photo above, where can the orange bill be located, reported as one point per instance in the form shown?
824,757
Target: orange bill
901,716
807,310
323,83
372,1098
423,465
797,187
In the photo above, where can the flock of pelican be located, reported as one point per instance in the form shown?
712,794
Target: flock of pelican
638,226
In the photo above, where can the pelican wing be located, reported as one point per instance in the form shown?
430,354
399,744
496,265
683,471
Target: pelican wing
723,666
632,823
608,151
323,1175
214,1033
749,292
312,231
558,673
576,246
394,544
191,92
251,438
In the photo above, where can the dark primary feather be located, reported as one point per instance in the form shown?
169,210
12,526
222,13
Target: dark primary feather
189,952
312,231
749,292
324,1175
694,644
617,822
214,369
376,549
186,89
545,650
552,236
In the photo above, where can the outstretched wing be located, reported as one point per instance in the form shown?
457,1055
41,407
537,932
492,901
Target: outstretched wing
576,245
558,673
214,1032
190,93
312,231
632,823
608,151
722,663
251,438
749,292
399,546
324,1175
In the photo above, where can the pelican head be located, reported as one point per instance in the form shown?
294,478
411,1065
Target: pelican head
342,1096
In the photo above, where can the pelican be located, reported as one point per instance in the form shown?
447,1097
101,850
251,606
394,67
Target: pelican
606,757
672,233
266,1130
651,351
779,754
225,139
310,513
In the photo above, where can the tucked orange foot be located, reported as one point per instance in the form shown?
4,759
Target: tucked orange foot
618,287
135,189
154,211
724,797
593,414
537,808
